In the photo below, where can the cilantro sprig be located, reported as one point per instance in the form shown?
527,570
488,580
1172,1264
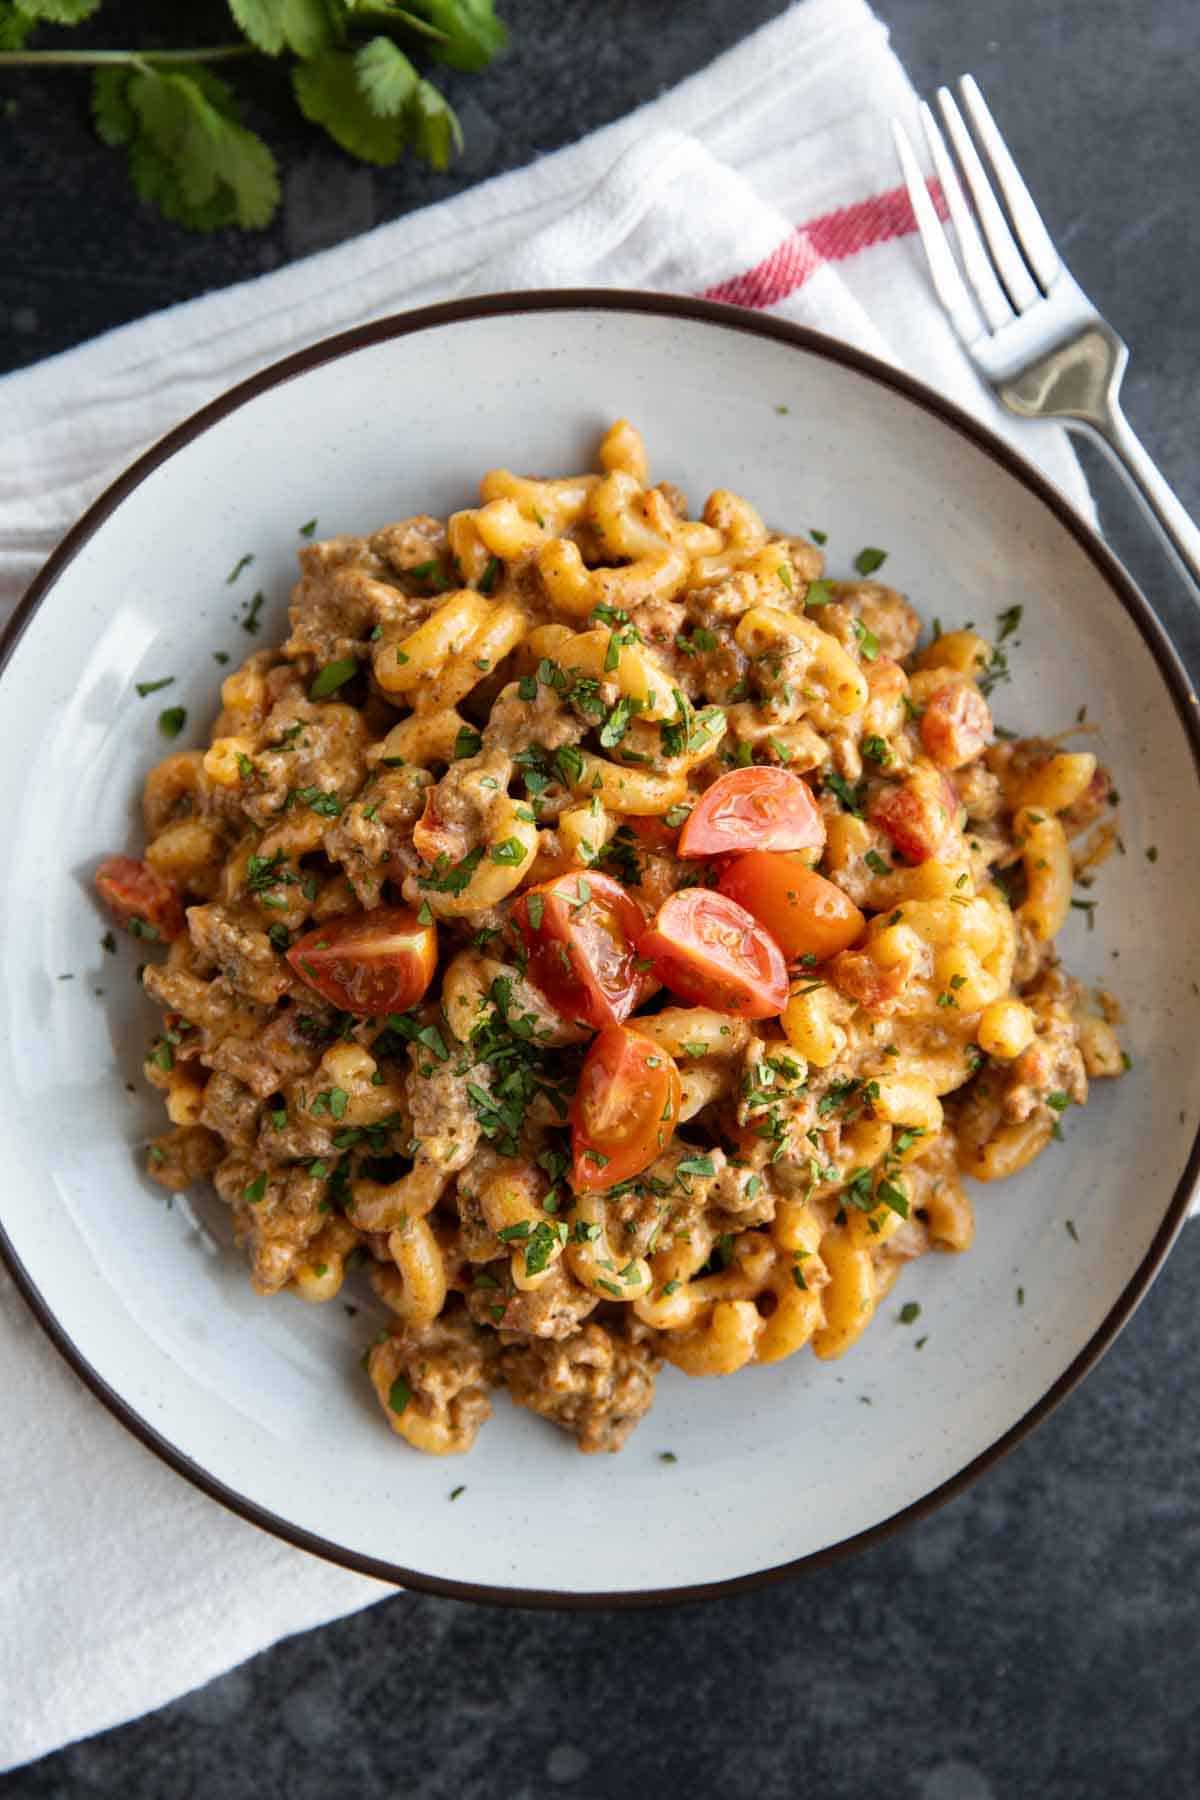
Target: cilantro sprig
352,74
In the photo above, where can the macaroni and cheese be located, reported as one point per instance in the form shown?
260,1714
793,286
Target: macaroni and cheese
612,934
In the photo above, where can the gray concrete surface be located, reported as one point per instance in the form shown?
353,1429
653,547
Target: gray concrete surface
1038,1638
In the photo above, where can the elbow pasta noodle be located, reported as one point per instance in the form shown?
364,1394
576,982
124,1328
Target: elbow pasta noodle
471,714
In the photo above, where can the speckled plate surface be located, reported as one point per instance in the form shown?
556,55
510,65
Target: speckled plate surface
262,1403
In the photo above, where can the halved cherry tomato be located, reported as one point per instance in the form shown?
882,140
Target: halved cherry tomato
368,963
581,932
805,914
711,951
142,901
625,1109
753,809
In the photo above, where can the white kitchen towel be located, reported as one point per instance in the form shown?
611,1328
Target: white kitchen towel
768,181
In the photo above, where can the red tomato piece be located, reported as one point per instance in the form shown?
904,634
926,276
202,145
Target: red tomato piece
368,963
143,902
858,976
955,725
753,809
581,932
917,814
711,951
625,1110
805,914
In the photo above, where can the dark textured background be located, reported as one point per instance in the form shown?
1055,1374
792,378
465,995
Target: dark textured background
1037,1637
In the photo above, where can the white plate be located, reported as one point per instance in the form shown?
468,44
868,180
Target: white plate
263,1404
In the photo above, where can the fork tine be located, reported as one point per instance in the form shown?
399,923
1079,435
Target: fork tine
1010,265
975,259
948,284
1032,235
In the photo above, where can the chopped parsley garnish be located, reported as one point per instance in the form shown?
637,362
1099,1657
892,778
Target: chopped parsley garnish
249,619
333,676
467,742
487,581
868,643
870,559
399,1395
820,593
243,562
152,687
910,1312
328,805
1008,622
108,942
617,721
172,720
307,529
511,851
451,878
697,1165
875,749
253,1192
876,863
818,537
460,1489
849,795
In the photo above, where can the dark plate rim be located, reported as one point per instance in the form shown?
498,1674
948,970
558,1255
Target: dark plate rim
615,300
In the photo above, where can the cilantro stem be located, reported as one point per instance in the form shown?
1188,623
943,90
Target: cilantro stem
85,59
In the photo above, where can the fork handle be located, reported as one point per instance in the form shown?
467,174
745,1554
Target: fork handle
1117,436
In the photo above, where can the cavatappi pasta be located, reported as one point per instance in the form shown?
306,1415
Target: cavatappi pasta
613,935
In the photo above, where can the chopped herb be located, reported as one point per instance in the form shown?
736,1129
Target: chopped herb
818,537
152,687
868,643
820,593
307,529
243,562
1020,1296
1152,853
1071,1231
333,676
451,878
172,721
249,619
1008,622
851,797
870,559
460,1489
512,850
253,1192
487,580
467,743
399,1394
1088,907
616,723
875,749
328,805
142,928
221,656
108,942
697,1165
909,1312
669,1456
876,864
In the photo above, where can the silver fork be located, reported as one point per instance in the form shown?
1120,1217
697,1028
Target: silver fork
1029,328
